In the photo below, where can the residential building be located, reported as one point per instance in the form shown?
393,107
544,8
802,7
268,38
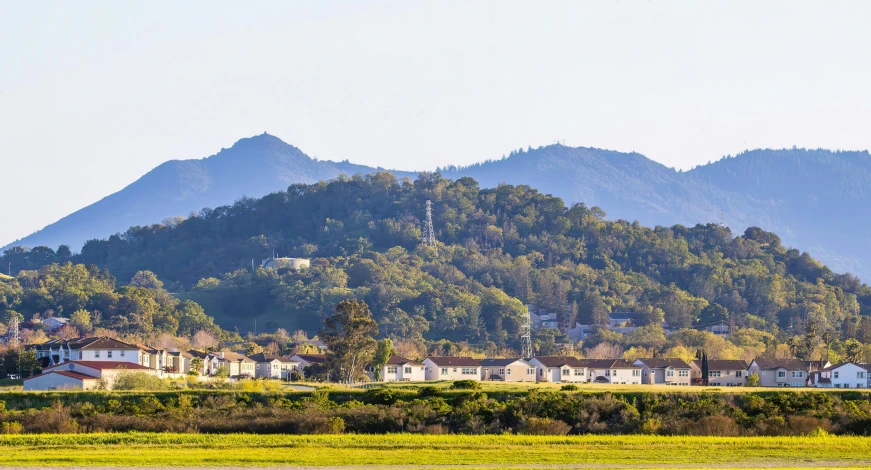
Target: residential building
613,371
306,360
53,324
178,362
507,370
841,375
782,372
452,368
152,357
85,349
721,372
83,375
558,369
272,366
399,368
667,371
237,365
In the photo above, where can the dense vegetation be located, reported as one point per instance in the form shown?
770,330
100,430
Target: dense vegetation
499,248
429,411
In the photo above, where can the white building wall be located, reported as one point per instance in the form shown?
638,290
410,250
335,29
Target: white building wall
849,376
49,381
436,372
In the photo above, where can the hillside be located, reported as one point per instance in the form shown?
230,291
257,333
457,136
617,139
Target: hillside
815,199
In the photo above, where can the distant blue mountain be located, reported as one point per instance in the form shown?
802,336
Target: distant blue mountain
816,200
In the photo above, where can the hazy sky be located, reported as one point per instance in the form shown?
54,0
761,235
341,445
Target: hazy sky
94,94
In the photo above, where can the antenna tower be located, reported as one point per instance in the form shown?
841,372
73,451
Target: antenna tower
722,219
428,237
526,338
13,332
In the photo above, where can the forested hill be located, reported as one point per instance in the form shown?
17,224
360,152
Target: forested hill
499,248
816,200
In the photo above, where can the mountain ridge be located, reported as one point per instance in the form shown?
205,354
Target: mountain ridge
815,198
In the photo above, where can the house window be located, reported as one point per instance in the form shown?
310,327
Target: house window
739,373
762,373
781,374
669,373
391,369
122,353
80,354
797,374
469,371
683,373
508,371
860,375
579,371
530,371
835,374
636,372
408,370
713,373
96,353
445,370
109,354
566,371
501,371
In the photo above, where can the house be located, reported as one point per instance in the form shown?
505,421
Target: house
398,368
507,370
278,263
668,371
82,375
178,362
306,360
721,372
452,368
781,372
152,357
85,349
841,375
273,366
237,364
53,324
558,369
613,371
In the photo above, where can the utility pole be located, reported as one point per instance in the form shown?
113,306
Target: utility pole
526,338
428,236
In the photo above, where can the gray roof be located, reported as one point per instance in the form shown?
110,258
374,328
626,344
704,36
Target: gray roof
401,361
501,362
608,364
558,361
788,364
722,364
452,361
664,363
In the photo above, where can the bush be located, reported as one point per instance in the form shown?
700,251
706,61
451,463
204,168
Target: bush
429,391
570,388
807,425
544,427
752,380
466,385
13,427
717,425
138,381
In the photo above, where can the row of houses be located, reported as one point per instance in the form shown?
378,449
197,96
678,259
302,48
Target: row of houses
87,362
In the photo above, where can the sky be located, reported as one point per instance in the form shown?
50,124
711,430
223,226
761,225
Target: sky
95,94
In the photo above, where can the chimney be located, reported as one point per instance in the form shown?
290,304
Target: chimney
221,354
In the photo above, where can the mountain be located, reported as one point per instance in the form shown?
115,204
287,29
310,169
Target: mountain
252,167
817,200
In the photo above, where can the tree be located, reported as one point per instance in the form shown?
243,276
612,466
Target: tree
752,380
196,366
203,340
853,350
349,336
81,319
382,354
146,279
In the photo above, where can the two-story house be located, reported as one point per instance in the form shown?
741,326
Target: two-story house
272,366
667,371
452,368
613,371
86,349
398,368
507,370
782,372
558,369
841,375
722,372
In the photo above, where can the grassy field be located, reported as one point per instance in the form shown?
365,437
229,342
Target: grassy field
448,451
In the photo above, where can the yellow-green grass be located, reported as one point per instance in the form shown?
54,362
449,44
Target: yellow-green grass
508,451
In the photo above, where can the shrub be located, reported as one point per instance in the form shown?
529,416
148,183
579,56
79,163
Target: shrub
807,425
13,427
752,380
466,385
570,388
429,391
138,381
544,427
717,425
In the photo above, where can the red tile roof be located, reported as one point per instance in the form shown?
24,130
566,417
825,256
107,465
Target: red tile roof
68,373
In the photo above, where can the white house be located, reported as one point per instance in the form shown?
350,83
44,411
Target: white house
398,368
783,372
452,368
721,372
841,375
82,375
507,370
87,349
558,369
272,366
613,371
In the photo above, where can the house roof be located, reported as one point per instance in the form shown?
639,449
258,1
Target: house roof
501,362
608,364
841,364
199,354
67,373
557,361
788,364
231,356
312,358
401,361
722,364
665,362
102,342
865,366
179,353
100,365
264,357
454,361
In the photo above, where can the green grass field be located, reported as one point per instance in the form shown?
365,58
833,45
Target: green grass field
447,451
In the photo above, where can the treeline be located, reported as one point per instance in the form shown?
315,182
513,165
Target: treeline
429,410
89,298
499,248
